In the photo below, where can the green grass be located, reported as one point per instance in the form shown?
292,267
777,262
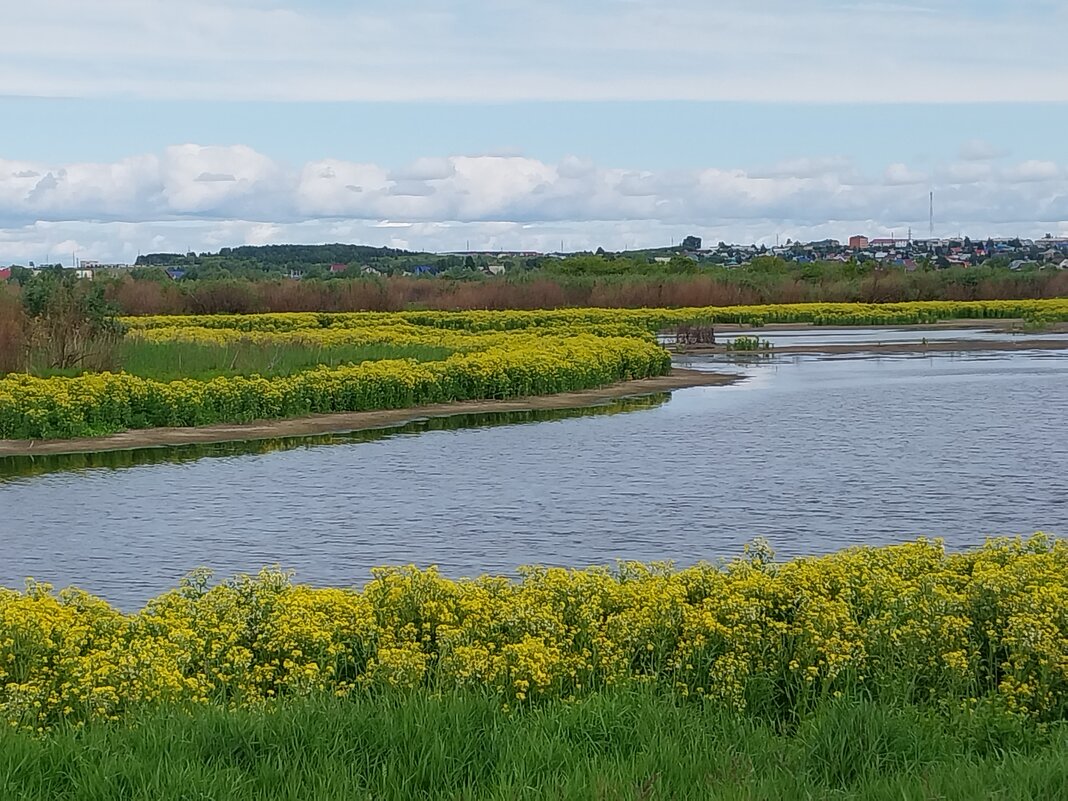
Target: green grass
168,361
627,745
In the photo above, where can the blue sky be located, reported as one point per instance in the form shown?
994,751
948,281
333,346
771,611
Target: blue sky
134,126
633,134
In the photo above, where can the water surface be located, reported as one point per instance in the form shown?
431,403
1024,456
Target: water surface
813,453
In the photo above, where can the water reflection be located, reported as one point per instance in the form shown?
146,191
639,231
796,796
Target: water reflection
23,466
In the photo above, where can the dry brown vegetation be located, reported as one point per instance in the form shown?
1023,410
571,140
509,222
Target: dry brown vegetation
547,292
14,333
139,297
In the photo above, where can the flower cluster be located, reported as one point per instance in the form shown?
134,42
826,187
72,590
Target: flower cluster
36,408
917,312
910,622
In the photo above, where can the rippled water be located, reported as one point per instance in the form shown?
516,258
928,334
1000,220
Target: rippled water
812,453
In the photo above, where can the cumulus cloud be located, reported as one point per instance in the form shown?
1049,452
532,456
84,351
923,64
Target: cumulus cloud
1035,171
967,172
791,50
192,196
425,169
215,177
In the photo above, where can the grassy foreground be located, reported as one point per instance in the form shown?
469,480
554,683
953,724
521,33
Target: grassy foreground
172,361
615,745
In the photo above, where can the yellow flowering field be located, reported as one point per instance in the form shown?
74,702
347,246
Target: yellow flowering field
501,365
907,623
1046,310
495,354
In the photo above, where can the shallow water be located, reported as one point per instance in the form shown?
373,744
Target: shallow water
813,453
817,336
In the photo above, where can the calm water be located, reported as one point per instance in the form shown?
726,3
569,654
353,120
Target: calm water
812,453
882,335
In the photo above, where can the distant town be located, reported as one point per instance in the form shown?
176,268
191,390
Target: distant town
324,261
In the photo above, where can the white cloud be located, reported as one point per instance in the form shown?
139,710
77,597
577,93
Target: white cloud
190,196
425,169
751,50
804,168
237,178
902,175
1035,171
968,172
981,150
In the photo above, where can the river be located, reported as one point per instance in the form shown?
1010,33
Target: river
813,453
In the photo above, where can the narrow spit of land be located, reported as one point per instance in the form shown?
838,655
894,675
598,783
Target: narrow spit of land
358,421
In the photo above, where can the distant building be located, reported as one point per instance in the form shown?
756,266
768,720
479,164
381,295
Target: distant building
5,273
175,273
86,274
495,269
858,242
338,268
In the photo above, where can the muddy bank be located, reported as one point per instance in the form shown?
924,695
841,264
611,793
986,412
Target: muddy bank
357,421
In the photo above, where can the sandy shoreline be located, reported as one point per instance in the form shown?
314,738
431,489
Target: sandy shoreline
356,421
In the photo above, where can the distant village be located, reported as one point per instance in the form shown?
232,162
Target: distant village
908,253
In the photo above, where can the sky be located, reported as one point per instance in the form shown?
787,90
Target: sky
133,126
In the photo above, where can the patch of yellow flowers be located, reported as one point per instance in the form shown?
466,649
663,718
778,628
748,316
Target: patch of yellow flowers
908,622
502,366
1045,310
496,354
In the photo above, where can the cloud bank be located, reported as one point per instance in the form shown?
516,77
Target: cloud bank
198,197
480,50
